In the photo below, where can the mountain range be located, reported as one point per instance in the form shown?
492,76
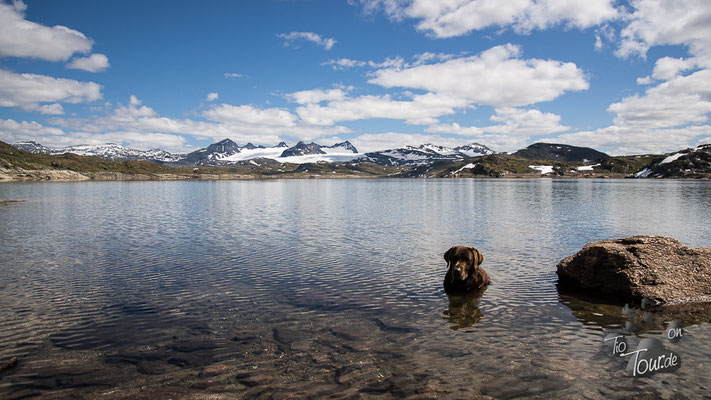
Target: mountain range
226,158
227,152
109,151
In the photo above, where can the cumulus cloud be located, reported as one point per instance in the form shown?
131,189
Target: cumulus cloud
679,101
212,97
345,63
516,121
13,131
515,127
290,38
51,109
667,22
22,38
392,62
244,123
670,114
317,95
451,18
667,68
93,63
421,109
496,77
27,91
251,115
628,140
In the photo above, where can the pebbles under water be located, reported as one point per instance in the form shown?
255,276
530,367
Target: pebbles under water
315,288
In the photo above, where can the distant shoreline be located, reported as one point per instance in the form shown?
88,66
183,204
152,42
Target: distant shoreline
73,176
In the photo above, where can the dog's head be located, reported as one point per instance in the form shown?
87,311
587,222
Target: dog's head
462,261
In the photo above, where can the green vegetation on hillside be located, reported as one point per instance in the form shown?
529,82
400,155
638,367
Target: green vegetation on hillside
12,159
18,163
626,164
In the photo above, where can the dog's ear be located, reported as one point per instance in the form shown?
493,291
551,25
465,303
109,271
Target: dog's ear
447,254
478,257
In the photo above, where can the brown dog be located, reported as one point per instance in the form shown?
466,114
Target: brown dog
464,274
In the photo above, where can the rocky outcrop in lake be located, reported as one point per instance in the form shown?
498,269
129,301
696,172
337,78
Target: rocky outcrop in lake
658,268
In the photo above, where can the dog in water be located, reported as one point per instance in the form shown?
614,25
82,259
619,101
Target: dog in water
464,274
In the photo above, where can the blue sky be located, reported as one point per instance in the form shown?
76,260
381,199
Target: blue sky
624,77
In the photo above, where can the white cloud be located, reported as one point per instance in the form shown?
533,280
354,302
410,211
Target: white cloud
671,114
420,110
515,127
317,95
232,75
243,124
645,80
667,68
518,121
22,38
450,18
598,42
134,101
679,101
93,63
13,131
391,62
495,77
617,140
668,22
51,109
212,97
28,90
275,117
290,38
345,63
455,129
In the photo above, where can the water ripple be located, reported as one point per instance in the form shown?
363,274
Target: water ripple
154,278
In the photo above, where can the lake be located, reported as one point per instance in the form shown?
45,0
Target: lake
315,288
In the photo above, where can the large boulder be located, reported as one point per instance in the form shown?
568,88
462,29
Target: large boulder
654,267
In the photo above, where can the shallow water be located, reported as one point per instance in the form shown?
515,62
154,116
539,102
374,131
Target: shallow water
308,288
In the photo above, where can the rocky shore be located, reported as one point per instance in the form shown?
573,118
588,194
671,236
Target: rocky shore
73,176
657,268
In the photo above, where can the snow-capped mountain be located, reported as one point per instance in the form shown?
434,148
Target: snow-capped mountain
687,163
424,154
474,150
212,154
302,149
343,147
109,151
227,152
32,147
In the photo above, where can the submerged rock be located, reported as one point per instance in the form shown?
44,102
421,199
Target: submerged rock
658,268
10,364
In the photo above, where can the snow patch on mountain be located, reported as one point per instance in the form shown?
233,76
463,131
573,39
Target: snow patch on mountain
671,158
468,166
424,154
544,169
109,151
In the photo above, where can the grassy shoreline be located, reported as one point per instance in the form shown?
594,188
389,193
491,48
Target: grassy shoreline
20,166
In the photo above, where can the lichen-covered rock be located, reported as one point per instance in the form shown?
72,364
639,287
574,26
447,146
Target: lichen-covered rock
654,267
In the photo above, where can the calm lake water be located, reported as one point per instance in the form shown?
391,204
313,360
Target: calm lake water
316,288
